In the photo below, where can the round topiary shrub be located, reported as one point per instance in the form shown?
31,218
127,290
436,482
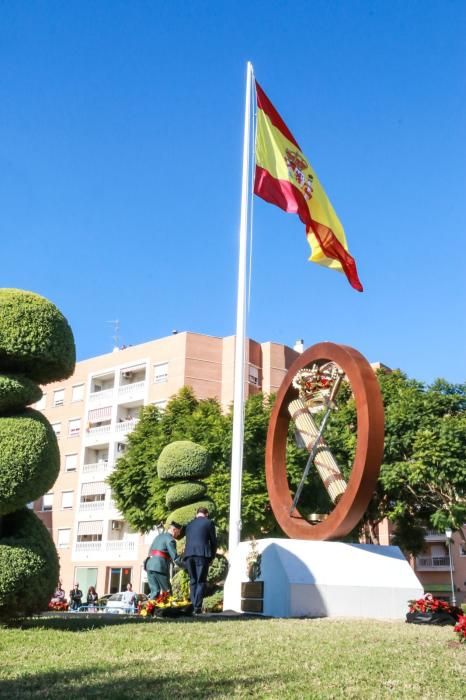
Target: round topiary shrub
29,459
218,570
28,564
183,459
184,493
185,514
16,392
35,338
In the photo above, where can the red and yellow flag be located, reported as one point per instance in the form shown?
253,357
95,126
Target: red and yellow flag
284,177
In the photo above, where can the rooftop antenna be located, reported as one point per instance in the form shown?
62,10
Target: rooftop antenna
116,334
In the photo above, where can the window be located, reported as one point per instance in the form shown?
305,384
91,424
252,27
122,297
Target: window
64,536
77,392
71,462
40,405
462,550
74,427
161,373
93,491
59,397
85,577
47,501
253,376
67,499
118,579
90,531
56,429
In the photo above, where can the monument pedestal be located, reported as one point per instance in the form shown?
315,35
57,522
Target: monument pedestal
303,578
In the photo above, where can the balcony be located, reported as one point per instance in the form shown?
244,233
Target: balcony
120,546
88,546
91,505
433,563
96,467
126,426
132,391
434,536
97,397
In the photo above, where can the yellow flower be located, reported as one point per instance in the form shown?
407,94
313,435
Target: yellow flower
143,613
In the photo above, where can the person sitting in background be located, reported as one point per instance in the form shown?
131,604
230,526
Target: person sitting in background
76,597
59,595
92,599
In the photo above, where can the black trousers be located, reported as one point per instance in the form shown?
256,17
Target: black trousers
197,568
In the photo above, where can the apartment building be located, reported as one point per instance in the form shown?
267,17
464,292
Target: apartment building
92,414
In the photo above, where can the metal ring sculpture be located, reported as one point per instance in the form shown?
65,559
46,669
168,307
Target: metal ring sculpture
369,449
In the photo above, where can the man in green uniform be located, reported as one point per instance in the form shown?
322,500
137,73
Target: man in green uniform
162,551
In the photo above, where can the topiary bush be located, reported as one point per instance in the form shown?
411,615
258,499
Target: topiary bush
185,514
180,585
35,338
28,564
17,392
183,459
218,570
185,492
214,602
36,345
29,459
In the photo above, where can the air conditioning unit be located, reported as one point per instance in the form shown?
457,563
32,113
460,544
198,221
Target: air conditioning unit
127,375
116,524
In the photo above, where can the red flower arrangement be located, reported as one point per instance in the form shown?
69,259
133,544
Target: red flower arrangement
460,629
430,604
58,607
162,602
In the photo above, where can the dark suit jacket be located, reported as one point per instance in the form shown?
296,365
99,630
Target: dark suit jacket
201,540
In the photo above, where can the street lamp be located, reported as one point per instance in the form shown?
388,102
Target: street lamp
449,535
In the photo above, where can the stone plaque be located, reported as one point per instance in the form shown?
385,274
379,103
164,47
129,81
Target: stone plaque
252,589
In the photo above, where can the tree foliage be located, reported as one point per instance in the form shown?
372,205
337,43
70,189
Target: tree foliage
423,474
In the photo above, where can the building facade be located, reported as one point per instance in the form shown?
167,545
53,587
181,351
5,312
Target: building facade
92,414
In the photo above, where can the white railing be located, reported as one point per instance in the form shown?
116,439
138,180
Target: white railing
95,467
126,426
120,546
133,388
98,430
435,533
92,505
88,546
432,562
99,395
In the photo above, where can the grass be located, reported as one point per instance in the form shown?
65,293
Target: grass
56,658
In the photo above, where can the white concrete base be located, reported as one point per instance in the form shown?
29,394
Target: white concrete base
326,579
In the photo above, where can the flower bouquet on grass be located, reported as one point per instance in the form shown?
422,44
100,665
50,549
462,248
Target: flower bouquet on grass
165,605
460,629
432,611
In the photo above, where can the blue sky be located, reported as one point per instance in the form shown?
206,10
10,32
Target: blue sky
120,169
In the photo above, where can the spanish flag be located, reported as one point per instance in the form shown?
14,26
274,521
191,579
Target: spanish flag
285,177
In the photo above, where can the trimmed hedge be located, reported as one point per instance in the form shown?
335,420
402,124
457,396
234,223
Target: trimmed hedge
185,514
28,564
35,338
16,392
184,493
218,570
183,459
29,459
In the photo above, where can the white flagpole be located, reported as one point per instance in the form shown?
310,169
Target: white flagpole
240,340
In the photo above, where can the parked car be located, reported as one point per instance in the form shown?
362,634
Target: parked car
116,604
103,600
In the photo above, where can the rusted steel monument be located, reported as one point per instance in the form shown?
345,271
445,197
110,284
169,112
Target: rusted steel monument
312,573
311,386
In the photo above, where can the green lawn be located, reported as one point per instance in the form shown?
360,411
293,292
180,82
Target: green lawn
225,658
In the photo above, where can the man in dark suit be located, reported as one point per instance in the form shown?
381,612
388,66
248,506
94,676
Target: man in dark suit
201,547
